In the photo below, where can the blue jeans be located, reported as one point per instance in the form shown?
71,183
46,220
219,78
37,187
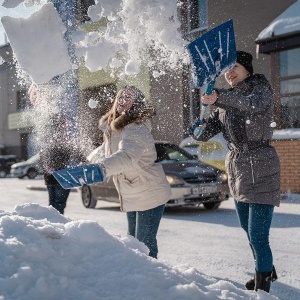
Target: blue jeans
143,225
256,220
58,197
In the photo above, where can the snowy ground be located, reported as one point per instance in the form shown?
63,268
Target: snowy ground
200,243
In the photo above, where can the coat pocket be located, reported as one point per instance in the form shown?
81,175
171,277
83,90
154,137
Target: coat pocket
130,185
266,170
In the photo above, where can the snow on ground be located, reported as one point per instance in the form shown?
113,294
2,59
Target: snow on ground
87,255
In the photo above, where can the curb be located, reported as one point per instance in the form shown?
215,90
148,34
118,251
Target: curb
42,188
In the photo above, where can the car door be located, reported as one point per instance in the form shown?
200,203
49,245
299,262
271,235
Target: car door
105,191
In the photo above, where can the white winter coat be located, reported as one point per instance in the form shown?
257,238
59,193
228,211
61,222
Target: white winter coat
129,155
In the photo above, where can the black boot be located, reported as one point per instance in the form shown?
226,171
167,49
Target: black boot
250,284
263,281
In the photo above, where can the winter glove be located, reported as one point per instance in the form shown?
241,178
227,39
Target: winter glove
198,128
79,175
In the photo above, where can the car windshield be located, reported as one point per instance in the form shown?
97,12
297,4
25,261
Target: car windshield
167,152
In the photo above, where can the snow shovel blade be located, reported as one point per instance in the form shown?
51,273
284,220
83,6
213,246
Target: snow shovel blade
213,53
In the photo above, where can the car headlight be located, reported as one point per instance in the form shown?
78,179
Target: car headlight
222,177
174,180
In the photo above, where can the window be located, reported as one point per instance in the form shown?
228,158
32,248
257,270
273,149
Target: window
197,14
167,152
82,10
290,88
22,100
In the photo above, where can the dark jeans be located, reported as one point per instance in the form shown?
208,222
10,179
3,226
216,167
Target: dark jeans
256,220
143,225
58,197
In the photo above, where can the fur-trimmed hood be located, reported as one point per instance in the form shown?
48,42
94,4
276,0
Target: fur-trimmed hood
124,119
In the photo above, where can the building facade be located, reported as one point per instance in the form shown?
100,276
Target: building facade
15,128
175,97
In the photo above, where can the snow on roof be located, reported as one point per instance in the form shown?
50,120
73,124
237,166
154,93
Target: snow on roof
286,134
286,23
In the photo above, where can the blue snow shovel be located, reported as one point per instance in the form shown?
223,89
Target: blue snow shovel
212,55
79,175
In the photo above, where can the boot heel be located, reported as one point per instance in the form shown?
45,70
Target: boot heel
263,281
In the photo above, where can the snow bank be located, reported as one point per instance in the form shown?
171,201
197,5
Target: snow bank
45,255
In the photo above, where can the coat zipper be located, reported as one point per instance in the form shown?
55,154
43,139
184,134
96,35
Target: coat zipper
252,170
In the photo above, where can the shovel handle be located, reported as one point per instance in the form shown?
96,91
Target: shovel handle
210,88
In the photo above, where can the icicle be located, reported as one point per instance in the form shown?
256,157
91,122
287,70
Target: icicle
257,51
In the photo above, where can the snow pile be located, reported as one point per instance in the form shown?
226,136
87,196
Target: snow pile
48,256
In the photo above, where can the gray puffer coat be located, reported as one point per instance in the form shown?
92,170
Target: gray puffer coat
244,115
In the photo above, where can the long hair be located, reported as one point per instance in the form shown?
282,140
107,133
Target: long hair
141,107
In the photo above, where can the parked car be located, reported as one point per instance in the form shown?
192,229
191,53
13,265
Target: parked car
192,182
30,168
5,164
213,152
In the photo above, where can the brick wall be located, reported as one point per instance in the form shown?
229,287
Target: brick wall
289,155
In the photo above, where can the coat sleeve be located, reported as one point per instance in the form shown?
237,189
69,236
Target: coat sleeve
131,147
212,128
96,155
259,100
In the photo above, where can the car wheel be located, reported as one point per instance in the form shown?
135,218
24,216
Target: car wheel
32,173
86,197
211,205
2,174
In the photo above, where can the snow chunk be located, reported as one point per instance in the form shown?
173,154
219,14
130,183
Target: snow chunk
132,67
11,3
38,43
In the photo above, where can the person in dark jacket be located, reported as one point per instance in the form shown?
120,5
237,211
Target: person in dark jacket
55,154
56,149
245,116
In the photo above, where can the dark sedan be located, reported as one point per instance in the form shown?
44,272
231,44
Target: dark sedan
192,181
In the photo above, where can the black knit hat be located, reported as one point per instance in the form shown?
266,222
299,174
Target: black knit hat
245,59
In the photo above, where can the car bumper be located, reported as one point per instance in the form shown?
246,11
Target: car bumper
16,173
195,194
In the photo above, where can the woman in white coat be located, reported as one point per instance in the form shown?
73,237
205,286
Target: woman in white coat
128,154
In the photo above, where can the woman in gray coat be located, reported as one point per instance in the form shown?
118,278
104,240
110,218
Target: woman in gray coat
245,116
